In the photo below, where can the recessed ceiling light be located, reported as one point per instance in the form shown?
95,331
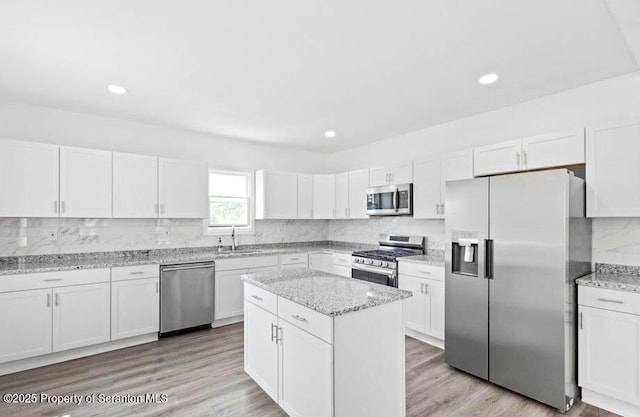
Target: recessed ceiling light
117,89
329,134
488,79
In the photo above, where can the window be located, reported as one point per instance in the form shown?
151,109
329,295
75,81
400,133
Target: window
230,200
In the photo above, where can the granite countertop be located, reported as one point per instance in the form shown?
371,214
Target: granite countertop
434,260
52,263
326,293
614,277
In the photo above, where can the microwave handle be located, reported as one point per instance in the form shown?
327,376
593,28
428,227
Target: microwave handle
396,195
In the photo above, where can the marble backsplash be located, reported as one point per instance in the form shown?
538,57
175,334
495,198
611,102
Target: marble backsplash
36,236
369,230
615,240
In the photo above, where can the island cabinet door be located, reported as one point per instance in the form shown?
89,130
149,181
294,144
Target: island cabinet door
306,373
260,349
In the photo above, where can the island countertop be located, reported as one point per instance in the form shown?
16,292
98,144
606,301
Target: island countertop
326,293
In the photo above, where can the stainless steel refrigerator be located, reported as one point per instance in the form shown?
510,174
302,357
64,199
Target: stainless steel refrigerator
514,245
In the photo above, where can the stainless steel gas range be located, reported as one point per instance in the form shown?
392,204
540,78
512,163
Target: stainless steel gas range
380,265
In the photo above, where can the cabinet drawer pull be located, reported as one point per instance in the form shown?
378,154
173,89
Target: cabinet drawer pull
607,300
294,259
48,300
53,279
302,319
136,273
425,272
257,298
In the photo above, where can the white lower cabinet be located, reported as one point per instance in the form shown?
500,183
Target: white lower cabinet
332,263
59,311
424,312
25,325
321,262
300,355
260,351
228,283
81,316
134,307
609,349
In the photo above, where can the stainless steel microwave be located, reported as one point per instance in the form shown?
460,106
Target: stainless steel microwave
392,200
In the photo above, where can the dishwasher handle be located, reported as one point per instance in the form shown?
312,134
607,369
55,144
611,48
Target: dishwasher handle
182,267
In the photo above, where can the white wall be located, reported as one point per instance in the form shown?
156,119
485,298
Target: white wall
614,240
605,101
42,124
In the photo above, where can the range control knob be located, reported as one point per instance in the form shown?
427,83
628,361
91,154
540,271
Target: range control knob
370,261
379,263
386,265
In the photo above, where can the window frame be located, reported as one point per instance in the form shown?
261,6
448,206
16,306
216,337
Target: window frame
226,230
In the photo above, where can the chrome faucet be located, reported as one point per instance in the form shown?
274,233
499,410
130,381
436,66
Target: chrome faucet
233,238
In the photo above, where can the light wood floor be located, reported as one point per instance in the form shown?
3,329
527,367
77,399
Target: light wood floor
202,373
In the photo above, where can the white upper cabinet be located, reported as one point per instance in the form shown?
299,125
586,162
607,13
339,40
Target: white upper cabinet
305,196
28,179
556,149
324,196
613,172
135,186
276,195
358,185
497,158
457,166
429,180
85,182
342,196
427,198
395,174
182,189
543,151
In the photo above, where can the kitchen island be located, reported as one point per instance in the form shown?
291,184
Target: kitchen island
324,345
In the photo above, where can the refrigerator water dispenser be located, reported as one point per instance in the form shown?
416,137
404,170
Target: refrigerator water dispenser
464,259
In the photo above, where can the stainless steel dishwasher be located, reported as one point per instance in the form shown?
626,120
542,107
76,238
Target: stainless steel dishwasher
186,296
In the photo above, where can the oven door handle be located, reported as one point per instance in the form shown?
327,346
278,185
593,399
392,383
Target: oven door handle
381,271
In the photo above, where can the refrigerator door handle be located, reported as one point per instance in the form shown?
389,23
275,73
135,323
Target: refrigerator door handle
488,258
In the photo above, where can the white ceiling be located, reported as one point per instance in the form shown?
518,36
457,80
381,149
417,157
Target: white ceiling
284,71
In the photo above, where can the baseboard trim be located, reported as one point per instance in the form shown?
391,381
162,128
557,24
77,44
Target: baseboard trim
610,404
67,355
227,321
433,341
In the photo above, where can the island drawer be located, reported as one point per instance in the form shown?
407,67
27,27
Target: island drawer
309,320
123,273
294,258
260,297
34,281
607,299
421,270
